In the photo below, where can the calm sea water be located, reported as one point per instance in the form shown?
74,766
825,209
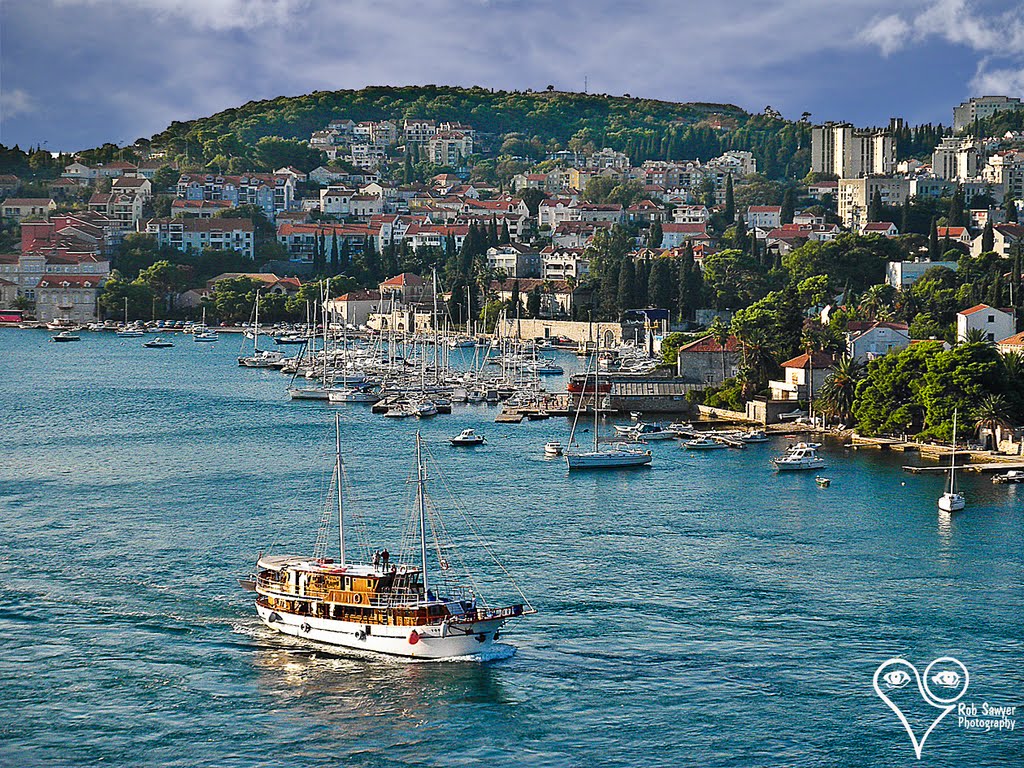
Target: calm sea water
704,611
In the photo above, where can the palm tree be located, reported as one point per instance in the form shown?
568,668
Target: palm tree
990,414
977,336
720,331
1013,365
839,390
875,300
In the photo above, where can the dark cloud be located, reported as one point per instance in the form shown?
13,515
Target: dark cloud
76,73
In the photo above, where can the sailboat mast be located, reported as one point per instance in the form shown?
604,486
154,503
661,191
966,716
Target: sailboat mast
421,508
952,459
256,329
337,470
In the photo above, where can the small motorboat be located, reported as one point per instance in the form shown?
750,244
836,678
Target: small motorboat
352,395
475,396
205,336
66,336
800,456
130,333
467,437
823,482
1011,476
540,415
398,412
157,343
754,436
553,449
424,408
702,444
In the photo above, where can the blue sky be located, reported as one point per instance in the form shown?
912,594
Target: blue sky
77,73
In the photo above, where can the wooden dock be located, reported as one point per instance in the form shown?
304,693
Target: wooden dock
990,466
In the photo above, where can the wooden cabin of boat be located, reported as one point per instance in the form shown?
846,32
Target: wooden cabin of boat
360,593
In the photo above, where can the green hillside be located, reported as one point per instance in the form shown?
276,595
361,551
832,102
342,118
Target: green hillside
643,128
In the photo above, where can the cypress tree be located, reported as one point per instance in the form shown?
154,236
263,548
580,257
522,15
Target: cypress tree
1011,210
875,207
492,234
655,235
626,298
730,200
505,238
409,174
933,242
955,218
988,237
335,255
640,282
905,216
788,206
658,287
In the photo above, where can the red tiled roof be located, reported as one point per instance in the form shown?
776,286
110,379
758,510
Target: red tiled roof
70,281
406,278
980,308
765,209
820,360
710,344
1017,340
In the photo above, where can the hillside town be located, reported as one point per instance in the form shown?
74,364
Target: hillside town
869,253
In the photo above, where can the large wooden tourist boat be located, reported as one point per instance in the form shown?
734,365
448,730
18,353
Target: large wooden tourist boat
383,607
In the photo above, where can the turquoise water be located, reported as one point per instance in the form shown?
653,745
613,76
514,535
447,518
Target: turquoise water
704,611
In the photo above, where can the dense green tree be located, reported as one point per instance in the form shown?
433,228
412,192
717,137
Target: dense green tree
531,198
788,206
889,396
627,285
659,284
988,237
959,379
733,279
1010,206
730,200
533,299
655,235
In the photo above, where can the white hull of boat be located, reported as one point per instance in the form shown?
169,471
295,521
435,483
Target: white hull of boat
439,641
309,393
607,460
792,466
952,502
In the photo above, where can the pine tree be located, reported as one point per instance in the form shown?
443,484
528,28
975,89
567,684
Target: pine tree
730,201
988,237
933,242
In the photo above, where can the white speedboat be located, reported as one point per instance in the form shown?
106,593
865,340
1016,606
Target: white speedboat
158,343
799,456
548,368
1011,476
394,609
475,396
309,393
400,411
424,408
653,431
66,336
702,444
205,336
552,449
467,437
129,333
754,436
951,500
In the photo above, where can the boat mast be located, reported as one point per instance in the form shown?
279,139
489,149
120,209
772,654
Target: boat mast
952,459
256,329
421,508
597,368
337,469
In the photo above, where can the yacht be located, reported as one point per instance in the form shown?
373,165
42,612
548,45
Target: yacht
702,444
799,456
467,437
407,608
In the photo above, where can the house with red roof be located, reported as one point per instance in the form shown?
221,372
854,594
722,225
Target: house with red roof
674,235
956,234
995,324
406,288
706,361
1005,240
353,308
866,340
764,216
18,208
803,376
883,228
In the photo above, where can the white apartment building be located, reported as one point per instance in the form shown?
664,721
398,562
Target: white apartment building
994,323
336,200
845,151
187,234
564,263
449,148
980,107
1006,170
957,159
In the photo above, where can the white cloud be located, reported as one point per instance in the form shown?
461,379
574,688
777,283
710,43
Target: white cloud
1005,81
15,102
888,33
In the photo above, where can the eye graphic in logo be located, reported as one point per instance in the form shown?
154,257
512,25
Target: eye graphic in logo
896,679
947,679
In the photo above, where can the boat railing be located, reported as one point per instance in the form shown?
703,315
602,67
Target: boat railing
392,598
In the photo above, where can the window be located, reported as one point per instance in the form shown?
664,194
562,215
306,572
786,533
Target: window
991,318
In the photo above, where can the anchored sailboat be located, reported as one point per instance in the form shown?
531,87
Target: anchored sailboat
951,501
394,609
